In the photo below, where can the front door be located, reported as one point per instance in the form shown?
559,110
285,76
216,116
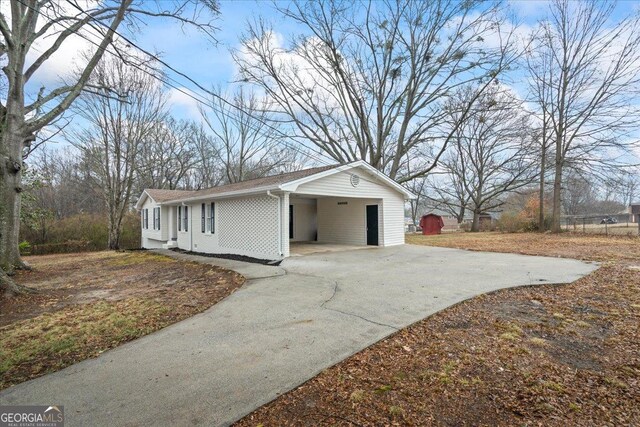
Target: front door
372,225
291,221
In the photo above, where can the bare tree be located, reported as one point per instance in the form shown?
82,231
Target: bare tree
449,188
579,194
628,186
367,80
167,154
117,128
207,170
65,186
23,27
540,69
492,149
586,75
248,145
419,188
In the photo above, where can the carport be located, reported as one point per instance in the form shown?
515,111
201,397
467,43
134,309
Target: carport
341,221
348,207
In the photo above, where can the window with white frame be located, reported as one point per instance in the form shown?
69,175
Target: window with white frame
185,218
179,218
203,221
146,219
212,218
156,218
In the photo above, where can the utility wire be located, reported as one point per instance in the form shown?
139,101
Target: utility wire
196,83
173,82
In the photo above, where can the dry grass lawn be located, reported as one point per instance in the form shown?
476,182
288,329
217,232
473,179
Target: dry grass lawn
551,355
88,303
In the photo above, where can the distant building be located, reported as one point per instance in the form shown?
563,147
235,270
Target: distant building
635,212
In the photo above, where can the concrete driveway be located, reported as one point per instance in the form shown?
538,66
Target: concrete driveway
283,327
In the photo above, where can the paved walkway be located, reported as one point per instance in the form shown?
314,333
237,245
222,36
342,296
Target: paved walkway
276,332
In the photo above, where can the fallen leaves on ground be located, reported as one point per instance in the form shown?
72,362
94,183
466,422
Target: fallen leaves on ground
550,355
88,303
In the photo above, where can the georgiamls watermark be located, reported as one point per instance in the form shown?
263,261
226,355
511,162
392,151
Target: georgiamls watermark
31,416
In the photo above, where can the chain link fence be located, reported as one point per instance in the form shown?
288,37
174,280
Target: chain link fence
607,224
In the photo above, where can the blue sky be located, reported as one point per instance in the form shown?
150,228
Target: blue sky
190,52
211,65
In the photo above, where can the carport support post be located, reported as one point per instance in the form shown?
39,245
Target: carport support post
284,228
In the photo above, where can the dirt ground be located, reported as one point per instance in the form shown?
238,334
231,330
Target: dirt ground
551,355
88,303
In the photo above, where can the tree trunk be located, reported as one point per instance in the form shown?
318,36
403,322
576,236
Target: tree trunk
414,212
10,178
114,233
10,189
475,226
460,216
543,166
557,197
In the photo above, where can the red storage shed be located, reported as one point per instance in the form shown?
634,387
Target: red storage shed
431,224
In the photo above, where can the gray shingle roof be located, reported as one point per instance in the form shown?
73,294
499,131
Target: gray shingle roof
267,181
166,195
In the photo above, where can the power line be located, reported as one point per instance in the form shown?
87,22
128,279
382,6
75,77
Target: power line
193,81
202,101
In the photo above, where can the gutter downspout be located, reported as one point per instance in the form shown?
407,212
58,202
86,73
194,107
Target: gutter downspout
279,220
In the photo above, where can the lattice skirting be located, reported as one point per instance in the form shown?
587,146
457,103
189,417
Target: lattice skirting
249,224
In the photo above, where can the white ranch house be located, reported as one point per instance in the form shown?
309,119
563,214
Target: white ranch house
352,204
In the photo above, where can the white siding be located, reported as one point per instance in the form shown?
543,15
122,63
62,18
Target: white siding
305,224
345,223
339,185
154,238
206,242
243,226
393,214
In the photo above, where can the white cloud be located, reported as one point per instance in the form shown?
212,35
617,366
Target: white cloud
179,99
70,53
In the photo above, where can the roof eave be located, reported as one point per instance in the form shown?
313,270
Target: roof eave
224,195
292,186
142,198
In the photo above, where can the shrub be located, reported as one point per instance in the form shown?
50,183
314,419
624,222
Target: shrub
70,246
465,226
510,222
488,225
82,232
24,247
